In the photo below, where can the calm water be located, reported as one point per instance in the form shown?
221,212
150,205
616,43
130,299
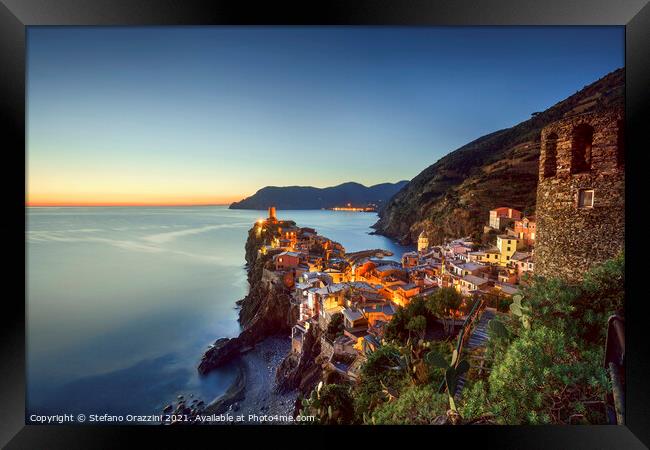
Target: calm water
122,302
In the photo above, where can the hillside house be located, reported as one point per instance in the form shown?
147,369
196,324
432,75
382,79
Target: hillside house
286,260
507,246
383,312
507,275
523,263
403,293
502,217
410,259
525,229
470,283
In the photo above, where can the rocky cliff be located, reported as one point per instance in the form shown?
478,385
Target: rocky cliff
302,371
265,311
452,197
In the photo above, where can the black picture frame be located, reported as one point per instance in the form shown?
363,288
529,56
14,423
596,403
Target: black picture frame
16,15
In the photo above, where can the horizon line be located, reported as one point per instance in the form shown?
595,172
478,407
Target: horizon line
116,205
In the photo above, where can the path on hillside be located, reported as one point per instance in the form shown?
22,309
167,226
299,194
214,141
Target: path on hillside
478,338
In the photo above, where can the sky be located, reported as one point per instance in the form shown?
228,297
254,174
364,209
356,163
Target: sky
209,115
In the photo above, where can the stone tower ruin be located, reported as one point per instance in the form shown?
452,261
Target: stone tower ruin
580,194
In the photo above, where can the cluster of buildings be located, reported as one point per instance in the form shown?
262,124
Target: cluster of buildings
371,207
479,270
365,289
580,209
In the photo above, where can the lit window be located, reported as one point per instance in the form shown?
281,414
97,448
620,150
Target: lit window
586,198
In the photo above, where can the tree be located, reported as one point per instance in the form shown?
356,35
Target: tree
417,325
541,378
416,405
331,404
546,360
335,327
578,310
396,329
442,304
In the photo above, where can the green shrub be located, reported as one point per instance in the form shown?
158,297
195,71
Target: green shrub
335,327
397,328
552,371
540,371
381,371
416,405
331,404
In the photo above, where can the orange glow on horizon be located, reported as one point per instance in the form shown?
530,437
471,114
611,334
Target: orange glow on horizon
69,204
199,200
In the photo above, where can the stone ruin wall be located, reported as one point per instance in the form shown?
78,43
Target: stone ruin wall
570,240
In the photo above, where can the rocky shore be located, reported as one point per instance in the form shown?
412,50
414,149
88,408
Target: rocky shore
266,317
254,391
233,394
261,395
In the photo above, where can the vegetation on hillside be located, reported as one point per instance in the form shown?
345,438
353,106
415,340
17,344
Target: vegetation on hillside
543,363
546,363
452,197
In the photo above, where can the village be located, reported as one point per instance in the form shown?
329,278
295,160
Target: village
363,290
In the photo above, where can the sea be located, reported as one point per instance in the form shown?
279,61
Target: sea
122,302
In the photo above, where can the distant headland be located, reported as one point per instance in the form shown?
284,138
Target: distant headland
308,197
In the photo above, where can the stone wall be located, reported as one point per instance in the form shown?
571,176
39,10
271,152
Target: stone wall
571,239
327,348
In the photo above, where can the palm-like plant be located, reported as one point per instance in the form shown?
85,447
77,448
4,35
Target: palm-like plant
453,372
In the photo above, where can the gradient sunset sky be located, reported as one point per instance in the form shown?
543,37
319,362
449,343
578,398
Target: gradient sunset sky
207,115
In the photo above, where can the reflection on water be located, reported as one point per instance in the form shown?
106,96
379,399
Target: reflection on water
122,302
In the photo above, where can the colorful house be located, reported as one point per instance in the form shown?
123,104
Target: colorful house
470,283
491,256
286,260
507,275
403,293
523,263
410,259
507,246
502,217
382,312
525,229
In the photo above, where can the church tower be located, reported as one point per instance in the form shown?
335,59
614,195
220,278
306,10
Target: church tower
423,242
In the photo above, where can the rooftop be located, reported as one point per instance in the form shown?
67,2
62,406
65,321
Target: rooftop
475,280
386,308
352,314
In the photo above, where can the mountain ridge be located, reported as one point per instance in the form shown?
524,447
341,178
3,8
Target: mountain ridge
452,197
310,197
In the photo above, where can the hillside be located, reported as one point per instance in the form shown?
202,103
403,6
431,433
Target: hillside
452,197
307,197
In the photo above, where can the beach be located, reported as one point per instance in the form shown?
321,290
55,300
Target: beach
260,396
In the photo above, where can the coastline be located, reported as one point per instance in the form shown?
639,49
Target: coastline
261,396
254,392
267,314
